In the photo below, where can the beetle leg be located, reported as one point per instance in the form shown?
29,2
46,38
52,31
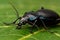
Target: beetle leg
46,27
33,26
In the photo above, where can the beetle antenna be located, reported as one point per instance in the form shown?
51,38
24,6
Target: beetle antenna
14,9
16,14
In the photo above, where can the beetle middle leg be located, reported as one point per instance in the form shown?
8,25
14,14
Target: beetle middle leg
33,25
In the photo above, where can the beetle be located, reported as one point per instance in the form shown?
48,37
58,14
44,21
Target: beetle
42,17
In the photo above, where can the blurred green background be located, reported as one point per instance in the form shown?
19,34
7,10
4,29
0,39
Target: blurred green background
7,14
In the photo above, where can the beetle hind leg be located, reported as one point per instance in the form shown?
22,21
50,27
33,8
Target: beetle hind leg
45,27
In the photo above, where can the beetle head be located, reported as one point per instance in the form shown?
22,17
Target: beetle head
23,21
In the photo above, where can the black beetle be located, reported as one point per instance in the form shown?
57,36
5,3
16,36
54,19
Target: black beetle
44,17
